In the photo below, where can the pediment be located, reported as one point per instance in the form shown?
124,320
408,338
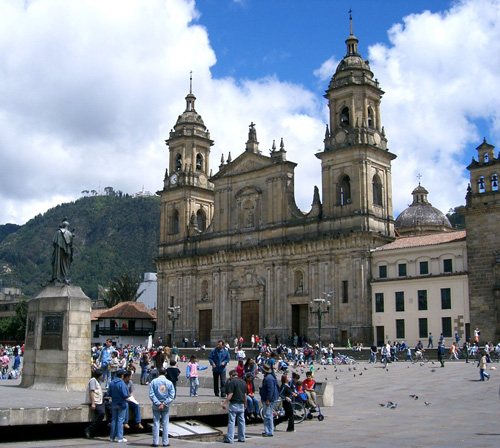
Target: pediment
246,163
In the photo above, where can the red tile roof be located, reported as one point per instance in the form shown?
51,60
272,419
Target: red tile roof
125,310
425,240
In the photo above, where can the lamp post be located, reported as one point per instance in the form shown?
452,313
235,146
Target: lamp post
320,311
174,313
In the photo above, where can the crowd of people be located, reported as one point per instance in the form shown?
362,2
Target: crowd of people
10,359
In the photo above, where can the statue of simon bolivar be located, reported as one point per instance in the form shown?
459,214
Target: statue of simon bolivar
62,257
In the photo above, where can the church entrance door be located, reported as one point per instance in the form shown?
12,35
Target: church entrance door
300,314
205,326
249,320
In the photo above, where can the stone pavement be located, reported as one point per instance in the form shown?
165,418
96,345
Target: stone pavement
462,411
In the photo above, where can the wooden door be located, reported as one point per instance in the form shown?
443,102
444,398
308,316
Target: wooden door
249,320
205,327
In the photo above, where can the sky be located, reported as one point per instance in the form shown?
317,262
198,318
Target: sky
89,90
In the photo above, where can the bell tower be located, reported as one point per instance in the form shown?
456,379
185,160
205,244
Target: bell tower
356,164
187,197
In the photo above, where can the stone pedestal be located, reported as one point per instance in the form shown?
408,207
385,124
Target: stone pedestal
57,349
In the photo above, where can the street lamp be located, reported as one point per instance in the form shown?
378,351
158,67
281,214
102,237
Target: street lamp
320,311
174,313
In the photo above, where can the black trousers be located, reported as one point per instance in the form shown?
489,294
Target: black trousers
98,418
219,377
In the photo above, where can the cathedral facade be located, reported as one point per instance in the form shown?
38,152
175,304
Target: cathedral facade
238,256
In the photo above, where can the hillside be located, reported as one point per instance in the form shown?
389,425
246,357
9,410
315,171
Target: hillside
113,235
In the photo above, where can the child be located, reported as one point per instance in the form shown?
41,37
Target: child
240,368
114,364
192,374
172,374
482,367
309,385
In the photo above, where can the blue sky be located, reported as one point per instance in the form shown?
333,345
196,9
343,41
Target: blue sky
89,89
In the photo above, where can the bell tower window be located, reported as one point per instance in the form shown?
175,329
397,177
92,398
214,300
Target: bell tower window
486,157
344,117
175,222
494,182
199,162
370,117
377,190
201,220
178,163
345,191
480,184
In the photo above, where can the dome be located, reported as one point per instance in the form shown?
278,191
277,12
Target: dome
190,116
421,217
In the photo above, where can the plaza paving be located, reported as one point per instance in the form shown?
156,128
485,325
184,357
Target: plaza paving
462,412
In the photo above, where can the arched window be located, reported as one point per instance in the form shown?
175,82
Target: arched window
199,162
178,163
299,282
345,190
201,219
480,184
494,182
377,190
344,116
370,118
175,222
486,157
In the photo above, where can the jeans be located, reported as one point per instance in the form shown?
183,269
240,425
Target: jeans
373,357
117,421
193,386
252,405
236,412
106,374
219,376
267,414
136,409
144,374
483,374
164,416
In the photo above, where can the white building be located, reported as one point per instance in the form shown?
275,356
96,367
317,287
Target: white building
420,283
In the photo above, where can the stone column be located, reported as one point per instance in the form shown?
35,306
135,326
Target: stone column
57,350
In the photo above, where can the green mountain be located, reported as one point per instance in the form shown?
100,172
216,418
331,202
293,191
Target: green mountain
114,235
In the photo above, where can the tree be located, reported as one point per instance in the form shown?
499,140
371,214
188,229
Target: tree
19,320
123,289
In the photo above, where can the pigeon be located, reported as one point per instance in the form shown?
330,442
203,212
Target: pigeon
421,364
354,375
427,403
354,368
360,373
416,397
394,406
336,377
433,370
389,404
382,405
365,368
387,370
412,395
349,369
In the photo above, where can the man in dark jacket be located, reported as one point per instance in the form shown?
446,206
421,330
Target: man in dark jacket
218,358
269,393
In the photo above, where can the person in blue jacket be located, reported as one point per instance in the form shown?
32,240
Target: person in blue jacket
119,394
219,358
269,392
161,393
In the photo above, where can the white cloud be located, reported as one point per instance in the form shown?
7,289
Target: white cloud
440,73
89,91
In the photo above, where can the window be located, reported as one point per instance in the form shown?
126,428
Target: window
400,301
175,222
178,163
422,300
379,302
448,265
370,117
480,184
199,162
494,182
377,190
446,299
400,328
344,116
423,329
201,220
402,269
424,267
345,291
382,271
446,323
345,190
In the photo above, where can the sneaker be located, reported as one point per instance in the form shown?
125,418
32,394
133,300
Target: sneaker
87,433
266,435
139,426
122,441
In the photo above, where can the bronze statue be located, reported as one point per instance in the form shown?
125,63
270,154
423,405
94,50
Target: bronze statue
62,257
